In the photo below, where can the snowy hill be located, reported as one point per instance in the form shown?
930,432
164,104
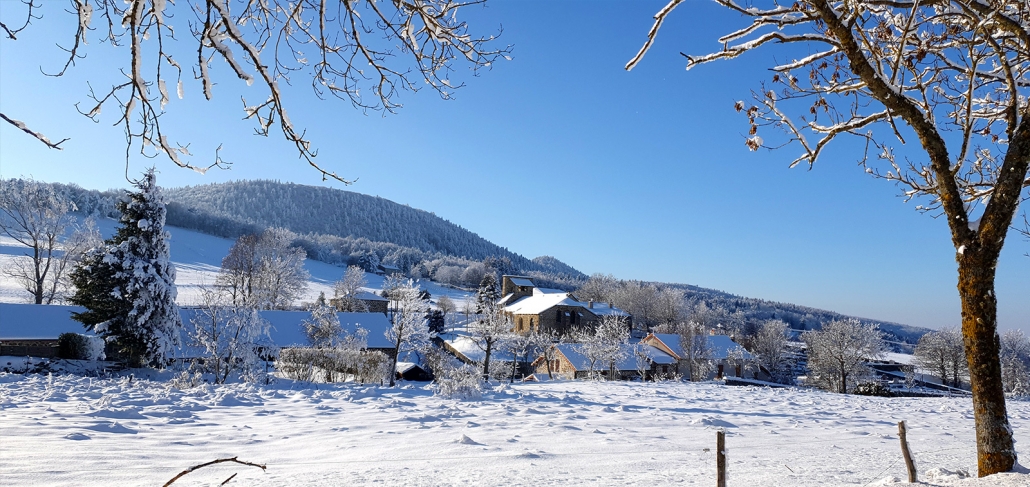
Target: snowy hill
198,258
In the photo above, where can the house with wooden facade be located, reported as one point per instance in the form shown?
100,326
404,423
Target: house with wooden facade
570,363
727,356
551,310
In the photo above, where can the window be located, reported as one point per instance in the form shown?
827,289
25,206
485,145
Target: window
520,324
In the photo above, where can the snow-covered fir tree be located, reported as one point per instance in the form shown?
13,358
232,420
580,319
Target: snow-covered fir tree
128,285
487,294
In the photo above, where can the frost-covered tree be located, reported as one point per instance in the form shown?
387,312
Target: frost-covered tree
410,330
487,332
611,336
36,217
487,295
234,339
771,350
693,340
549,351
445,305
362,52
1015,363
599,287
348,288
950,75
323,328
239,268
281,277
264,271
838,353
942,354
128,285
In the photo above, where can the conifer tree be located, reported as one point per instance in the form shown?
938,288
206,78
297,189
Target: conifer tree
128,285
487,295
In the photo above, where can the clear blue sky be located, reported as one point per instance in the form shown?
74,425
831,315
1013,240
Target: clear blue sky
558,152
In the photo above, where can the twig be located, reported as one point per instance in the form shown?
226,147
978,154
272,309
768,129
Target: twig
213,462
40,137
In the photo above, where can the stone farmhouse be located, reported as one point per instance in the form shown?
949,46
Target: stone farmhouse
551,310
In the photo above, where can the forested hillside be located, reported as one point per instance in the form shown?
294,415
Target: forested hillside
342,227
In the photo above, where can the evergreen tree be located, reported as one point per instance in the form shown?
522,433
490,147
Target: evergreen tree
128,285
487,295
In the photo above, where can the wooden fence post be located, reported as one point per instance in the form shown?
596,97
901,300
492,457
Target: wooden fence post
720,458
909,464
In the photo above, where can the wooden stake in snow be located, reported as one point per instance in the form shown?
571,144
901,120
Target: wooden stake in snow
720,458
909,464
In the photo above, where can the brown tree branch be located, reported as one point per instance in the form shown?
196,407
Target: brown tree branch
40,137
214,462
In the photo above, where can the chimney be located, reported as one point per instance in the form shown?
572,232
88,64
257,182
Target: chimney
591,304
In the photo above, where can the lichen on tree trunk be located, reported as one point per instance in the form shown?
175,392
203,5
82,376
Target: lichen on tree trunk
995,452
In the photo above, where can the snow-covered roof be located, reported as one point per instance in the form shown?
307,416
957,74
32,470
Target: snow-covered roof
468,347
287,331
572,352
544,299
38,321
672,342
720,347
367,296
522,281
403,367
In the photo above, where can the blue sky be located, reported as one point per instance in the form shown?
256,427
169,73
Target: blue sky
559,152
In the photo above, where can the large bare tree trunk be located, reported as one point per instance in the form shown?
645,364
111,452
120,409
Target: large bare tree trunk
995,452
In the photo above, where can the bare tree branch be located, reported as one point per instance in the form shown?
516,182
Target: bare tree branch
214,462
40,137
402,45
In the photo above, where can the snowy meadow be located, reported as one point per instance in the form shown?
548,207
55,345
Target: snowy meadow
73,430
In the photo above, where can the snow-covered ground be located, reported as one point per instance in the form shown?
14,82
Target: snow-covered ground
197,258
70,430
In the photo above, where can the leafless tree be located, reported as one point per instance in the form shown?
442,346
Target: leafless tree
770,347
361,51
941,353
837,354
492,327
347,289
951,73
35,216
549,351
1015,362
264,271
410,330
599,287
445,305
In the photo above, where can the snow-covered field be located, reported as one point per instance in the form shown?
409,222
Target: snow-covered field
70,430
197,258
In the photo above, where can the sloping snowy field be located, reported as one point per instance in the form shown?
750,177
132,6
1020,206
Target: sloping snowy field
69,430
197,258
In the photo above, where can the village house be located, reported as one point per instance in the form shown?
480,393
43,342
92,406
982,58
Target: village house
374,303
533,308
571,363
727,356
